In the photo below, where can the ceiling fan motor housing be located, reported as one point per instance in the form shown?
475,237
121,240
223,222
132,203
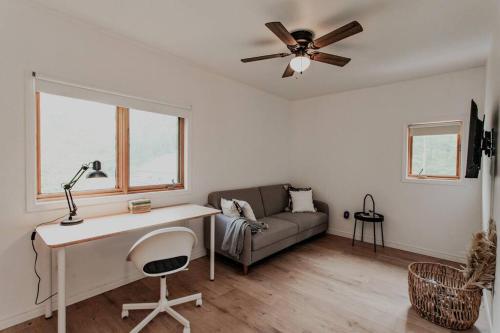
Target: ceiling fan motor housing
304,38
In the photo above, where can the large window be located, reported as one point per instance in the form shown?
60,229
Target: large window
434,150
139,150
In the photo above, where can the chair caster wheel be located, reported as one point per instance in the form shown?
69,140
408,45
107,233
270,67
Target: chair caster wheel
186,330
199,302
124,314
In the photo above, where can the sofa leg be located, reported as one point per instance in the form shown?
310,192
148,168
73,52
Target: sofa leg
245,269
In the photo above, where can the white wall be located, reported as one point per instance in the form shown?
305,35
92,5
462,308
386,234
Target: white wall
491,172
348,144
239,139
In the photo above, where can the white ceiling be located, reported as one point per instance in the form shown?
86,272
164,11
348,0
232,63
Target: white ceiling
402,39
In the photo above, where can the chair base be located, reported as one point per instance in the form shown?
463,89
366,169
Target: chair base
163,305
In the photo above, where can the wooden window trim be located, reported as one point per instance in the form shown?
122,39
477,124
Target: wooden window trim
122,148
459,156
83,194
410,154
122,161
181,149
38,144
409,159
161,187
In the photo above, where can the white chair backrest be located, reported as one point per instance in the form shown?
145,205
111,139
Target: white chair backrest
163,244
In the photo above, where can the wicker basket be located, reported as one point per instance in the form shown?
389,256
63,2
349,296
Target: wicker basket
436,294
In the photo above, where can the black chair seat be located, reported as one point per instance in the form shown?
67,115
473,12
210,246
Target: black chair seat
165,265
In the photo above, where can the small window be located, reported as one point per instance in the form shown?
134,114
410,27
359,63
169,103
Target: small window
139,150
434,150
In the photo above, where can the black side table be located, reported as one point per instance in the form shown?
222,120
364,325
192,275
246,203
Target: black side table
371,218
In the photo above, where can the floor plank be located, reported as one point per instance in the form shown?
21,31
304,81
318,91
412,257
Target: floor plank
320,285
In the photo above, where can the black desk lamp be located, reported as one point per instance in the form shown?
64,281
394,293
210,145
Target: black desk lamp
96,173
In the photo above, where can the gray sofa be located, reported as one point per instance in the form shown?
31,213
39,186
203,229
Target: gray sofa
268,204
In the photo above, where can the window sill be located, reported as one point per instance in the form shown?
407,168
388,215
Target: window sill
433,181
108,192
35,205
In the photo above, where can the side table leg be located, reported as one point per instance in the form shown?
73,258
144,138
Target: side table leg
374,237
354,233
382,230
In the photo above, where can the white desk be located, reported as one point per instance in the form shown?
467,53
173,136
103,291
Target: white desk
59,237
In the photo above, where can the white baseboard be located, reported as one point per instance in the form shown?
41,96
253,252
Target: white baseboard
406,247
198,252
39,310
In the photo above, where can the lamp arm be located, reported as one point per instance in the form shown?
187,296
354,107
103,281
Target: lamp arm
67,190
69,202
69,185
73,210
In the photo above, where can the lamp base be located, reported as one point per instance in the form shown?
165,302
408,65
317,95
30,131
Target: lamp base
71,222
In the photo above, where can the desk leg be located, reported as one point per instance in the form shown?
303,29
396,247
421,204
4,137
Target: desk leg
61,290
212,247
48,303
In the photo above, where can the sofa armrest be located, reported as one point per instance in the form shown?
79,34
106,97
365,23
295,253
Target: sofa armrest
322,207
221,222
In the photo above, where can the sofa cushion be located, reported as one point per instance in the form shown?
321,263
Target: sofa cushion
274,198
304,221
229,208
250,195
302,201
279,229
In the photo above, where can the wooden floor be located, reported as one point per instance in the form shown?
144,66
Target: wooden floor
321,285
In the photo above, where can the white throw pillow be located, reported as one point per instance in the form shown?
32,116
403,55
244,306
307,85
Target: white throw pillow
229,208
247,210
302,201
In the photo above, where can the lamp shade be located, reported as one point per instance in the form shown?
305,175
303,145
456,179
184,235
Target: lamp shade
96,171
97,174
300,63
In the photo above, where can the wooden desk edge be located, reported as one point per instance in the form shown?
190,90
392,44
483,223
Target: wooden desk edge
122,232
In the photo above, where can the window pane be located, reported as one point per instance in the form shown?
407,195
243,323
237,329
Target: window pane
154,142
435,155
74,132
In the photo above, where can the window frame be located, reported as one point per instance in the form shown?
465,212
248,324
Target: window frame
409,155
122,160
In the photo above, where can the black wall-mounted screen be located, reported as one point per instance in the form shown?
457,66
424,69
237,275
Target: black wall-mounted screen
474,150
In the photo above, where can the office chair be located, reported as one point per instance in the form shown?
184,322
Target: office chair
160,253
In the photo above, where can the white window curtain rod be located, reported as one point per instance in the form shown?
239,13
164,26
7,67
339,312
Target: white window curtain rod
109,92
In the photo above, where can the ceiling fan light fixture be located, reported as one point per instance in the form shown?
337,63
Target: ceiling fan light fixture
300,63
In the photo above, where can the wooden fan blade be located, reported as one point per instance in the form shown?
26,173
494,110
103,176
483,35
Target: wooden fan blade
280,31
288,71
270,56
330,59
343,32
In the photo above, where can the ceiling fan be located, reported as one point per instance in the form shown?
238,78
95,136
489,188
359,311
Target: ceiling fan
302,44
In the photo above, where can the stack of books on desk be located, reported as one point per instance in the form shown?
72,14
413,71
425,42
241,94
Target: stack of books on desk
139,206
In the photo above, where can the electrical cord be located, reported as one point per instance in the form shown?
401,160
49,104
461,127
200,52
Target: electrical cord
33,236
